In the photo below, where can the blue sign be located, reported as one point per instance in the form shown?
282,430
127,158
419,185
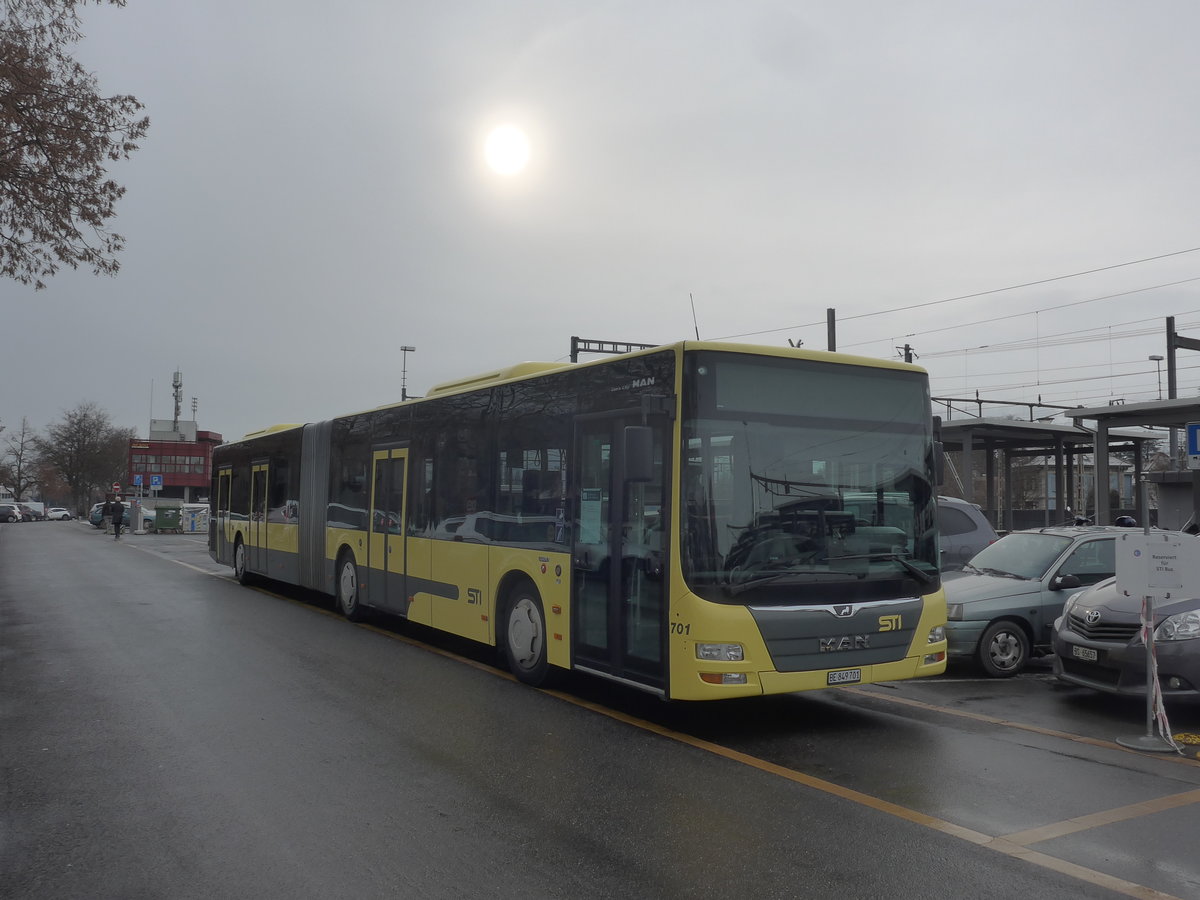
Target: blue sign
155,481
1193,438
137,480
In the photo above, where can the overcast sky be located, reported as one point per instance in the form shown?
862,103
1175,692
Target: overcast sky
313,195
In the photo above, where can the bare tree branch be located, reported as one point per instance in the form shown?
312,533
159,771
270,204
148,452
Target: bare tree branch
56,134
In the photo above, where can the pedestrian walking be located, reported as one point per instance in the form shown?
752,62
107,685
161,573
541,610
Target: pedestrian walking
118,513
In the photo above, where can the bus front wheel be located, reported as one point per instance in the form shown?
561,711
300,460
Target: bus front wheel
525,636
347,588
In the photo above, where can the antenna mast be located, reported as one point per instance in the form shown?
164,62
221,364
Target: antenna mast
177,383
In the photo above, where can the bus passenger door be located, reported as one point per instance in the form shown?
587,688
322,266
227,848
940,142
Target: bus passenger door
386,550
222,524
256,537
618,555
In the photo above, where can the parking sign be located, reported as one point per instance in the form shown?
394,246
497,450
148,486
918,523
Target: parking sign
1193,445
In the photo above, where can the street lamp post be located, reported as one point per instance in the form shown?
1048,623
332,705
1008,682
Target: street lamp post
1157,360
404,371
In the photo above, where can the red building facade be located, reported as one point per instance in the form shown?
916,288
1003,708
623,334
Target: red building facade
185,467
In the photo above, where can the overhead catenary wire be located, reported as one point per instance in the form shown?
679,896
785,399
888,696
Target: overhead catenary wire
928,303
1034,312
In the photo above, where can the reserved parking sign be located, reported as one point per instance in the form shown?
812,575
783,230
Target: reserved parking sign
1158,565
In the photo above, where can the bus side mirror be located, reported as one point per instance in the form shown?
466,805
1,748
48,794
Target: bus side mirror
639,453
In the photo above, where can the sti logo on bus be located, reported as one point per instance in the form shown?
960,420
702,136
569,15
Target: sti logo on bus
890,623
845,642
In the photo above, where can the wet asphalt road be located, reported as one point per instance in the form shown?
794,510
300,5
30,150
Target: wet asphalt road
165,732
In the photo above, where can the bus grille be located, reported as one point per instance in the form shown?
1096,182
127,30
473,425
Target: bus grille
835,636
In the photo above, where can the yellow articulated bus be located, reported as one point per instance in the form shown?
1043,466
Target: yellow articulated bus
699,520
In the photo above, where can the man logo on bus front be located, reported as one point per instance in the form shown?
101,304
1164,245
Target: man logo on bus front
843,612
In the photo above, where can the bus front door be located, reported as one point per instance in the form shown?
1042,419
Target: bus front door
618,556
386,554
256,537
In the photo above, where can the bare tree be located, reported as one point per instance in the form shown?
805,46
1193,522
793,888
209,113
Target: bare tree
56,135
18,460
87,450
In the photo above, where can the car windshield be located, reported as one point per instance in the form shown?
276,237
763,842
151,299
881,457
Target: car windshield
805,473
1020,555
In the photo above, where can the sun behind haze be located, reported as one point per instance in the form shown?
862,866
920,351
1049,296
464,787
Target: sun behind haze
506,150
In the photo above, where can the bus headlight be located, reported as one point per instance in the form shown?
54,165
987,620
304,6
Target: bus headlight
937,634
720,652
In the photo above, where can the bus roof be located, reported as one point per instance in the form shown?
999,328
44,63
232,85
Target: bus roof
272,429
529,369
520,370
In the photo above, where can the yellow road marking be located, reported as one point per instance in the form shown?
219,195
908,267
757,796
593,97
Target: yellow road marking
1014,845
1009,723
1105,817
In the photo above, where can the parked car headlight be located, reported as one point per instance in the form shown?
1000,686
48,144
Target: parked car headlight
954,612
1181,627
1071,601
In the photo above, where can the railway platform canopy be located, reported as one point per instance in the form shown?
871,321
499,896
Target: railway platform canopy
1058,441
1174,414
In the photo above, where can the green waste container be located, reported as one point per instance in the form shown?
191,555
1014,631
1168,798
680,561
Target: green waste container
166,518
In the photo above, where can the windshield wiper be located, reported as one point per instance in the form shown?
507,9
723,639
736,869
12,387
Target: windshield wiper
1002,574
920,574
800,575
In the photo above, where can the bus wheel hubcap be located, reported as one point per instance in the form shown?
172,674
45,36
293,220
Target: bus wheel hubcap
524,633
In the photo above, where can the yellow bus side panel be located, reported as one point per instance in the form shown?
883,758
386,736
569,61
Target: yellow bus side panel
464,565
283,537
418,565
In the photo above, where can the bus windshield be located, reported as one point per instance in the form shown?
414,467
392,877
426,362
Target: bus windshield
805,473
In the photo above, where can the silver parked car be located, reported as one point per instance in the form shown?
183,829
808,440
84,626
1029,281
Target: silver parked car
1001,608
963,530
1098,643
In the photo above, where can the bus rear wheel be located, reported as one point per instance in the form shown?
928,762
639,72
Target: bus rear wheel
239,564
347,588
525,636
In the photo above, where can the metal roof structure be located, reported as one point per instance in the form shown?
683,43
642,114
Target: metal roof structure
1016,438
1174,413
